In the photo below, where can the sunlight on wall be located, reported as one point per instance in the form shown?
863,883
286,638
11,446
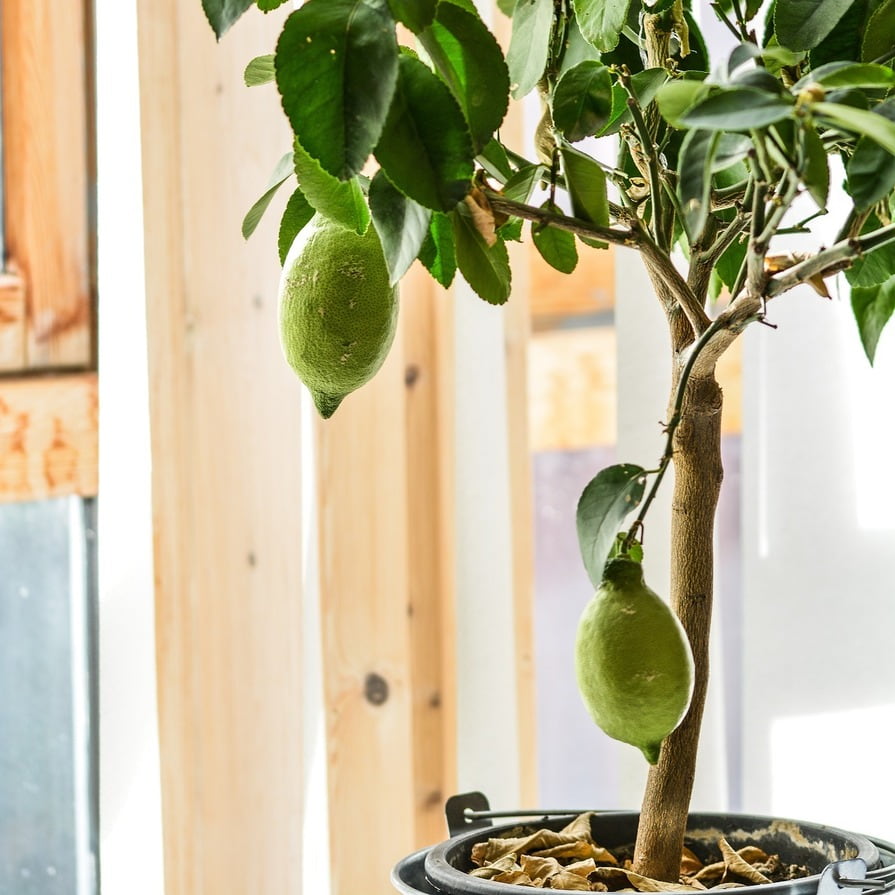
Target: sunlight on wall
854,791
872,428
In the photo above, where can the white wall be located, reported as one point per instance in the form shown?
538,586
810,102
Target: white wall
130,799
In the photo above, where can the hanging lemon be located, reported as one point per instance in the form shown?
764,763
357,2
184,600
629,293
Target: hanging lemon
633,660
337,311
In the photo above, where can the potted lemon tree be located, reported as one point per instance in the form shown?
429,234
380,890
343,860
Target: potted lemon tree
649,141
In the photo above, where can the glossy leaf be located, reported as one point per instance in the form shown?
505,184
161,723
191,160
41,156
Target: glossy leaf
695,179
646,85
524,182
415,14
737,109
425,148
556,247
486,268
586,185
437,253
816,175
576,49
874,267
269,5
844,41
468,57
868,124
842,75
281,173
506,6
803,24
582,101
601,21
337,64
259,71
529,44
493,158
871,169
879,34
341,201
401,223
221,14
676,98
296,216
873,307
602,509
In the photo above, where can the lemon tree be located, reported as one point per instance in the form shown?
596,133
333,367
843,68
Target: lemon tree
337,310
707,157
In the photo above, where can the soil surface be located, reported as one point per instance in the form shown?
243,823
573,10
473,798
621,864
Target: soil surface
570,859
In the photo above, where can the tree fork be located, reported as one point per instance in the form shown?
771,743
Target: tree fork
698,474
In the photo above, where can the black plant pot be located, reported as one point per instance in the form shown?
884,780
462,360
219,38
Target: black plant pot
827,852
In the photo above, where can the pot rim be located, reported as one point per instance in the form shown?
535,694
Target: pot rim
445,877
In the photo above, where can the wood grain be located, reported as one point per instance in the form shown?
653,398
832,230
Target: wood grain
47,176
12,323
226,437
48,437
366,607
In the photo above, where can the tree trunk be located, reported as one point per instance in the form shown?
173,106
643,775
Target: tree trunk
698,474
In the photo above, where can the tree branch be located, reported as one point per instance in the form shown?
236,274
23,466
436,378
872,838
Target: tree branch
629,237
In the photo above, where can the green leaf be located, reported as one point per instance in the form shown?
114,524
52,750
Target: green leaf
337,64
868,124
425,147
728,265
259,71
486,268
297,214
281,173
803,24
602,508
586,185
695,179
556,247
493,158
468,57
402,225
601,21
339,200
676,97
871,169
576,48
506,6
737,109
524,182
842,75
873,268
437,253
582,100
269,5
844,41
645,85
221,14
816,175
873,307
415,14
529,44
879,35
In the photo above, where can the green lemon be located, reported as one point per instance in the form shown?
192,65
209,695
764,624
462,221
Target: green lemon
633,660
337,311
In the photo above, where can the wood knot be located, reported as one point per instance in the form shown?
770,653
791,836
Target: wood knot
375,689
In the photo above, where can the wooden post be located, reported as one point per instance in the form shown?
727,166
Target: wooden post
46,156
224,412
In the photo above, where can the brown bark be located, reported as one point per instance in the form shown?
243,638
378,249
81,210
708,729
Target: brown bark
698,474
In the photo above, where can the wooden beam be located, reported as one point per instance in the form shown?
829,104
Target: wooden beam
224,411
428,377
46,156
48,437
12,323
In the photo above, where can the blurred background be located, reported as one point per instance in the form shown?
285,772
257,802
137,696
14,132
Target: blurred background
242,650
